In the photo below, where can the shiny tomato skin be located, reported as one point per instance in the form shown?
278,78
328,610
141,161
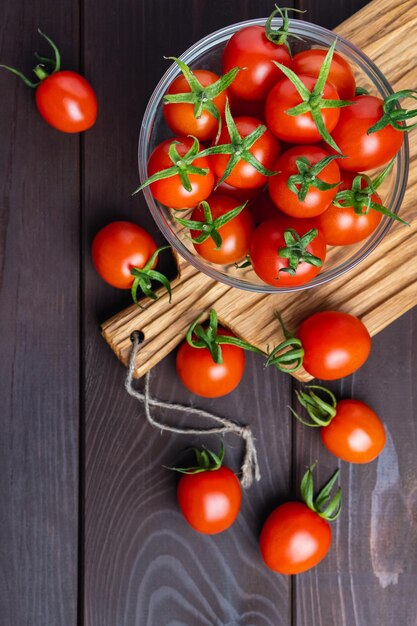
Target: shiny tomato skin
268,238
294,539
67,102
202,376
362,151
355,434
236,234
342,226
117,248
266,149
297,128
335,344
170,191
316,201
210,501
180,116
340,75
249,48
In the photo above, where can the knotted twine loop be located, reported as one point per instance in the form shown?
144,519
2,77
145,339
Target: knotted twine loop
250,466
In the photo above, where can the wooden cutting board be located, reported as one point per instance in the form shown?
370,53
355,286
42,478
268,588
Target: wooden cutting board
378,291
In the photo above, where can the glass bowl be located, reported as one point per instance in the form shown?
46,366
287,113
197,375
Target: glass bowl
206,54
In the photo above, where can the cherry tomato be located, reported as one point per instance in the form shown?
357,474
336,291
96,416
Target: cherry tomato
316,200
294,539
340,75
265,149
297,128
268,239
119,247
249,48
67,102
355,434
170,191
210,500
180,116
335,344
202,376
363,151
236,234
342,226
243,195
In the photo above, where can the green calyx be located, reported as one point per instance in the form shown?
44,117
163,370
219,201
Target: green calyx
296,250
320,412
210,227
199,96
40,70
279,36
326,506
288,356
142,278
239,148
199,336
360,198
313,101
182,166
393,115
308,177
206,461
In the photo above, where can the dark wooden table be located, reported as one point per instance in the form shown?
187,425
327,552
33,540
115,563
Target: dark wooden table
89,528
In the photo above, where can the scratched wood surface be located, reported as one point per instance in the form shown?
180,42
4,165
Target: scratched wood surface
139,564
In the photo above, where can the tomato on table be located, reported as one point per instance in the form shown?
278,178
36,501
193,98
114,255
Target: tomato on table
118,248
297,535
349,429
298,189
209,494
335,344
340,74
280,262
218,240
203,376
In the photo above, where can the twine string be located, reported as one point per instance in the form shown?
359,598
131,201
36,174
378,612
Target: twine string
250,465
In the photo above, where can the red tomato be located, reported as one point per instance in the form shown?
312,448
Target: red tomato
117,248
294,538
266,149
170,191
335,344
342,226
67,102
180,116
236,234
210,501
249,48
267,240
363,151
262,208
297,128
202,376
316,201
340,75
355,434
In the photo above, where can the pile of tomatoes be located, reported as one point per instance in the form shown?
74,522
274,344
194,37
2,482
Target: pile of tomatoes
270,158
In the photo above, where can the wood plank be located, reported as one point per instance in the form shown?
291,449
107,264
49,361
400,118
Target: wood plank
143,565
39,309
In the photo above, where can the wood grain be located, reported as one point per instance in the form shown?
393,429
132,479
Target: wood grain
368,291
39,311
